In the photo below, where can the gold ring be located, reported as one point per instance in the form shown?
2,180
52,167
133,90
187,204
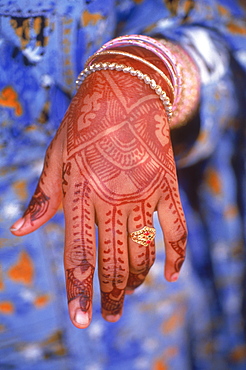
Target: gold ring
143,236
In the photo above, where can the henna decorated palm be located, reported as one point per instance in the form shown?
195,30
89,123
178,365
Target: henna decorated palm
112,163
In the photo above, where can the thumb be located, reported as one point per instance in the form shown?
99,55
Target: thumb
46,198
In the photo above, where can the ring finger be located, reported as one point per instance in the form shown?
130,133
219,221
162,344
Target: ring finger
141,243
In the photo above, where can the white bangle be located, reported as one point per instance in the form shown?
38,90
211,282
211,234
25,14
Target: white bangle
133,72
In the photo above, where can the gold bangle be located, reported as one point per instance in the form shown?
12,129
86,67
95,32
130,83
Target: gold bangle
186,101
137,58
103,66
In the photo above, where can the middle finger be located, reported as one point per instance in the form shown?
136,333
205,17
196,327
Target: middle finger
113,260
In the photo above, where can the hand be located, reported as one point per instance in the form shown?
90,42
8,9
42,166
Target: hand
112,163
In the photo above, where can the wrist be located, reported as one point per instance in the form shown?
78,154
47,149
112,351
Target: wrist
165,66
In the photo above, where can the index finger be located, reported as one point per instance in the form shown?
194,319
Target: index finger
80,251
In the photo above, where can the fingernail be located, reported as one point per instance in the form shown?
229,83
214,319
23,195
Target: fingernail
81,317
112,318
175,276
17,225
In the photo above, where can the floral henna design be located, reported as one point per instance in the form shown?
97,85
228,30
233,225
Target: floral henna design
112,302
135,280
120,144
38,205
142,216
79,257
179,247
78,287
122,149
178,220
178,264
113,279
145,259
66,171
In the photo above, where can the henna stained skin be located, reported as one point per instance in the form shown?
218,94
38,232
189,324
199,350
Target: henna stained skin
112,302
79,257
179,247
38,205
118,146
82,288
118,169
66,171
114,271
178,263
135,280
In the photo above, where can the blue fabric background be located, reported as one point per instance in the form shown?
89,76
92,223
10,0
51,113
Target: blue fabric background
195,323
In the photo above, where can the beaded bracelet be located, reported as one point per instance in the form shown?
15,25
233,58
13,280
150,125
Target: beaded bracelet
155,47
183,72
135,57
133,72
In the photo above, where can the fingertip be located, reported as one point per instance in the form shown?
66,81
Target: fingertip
81,319
23,227
171,276
17,225
174,277
129,291
112,318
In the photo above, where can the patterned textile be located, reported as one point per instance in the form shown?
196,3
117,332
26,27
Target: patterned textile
197,322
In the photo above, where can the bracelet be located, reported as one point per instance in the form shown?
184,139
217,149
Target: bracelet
189,95
182,69
155,47
135,57
133,72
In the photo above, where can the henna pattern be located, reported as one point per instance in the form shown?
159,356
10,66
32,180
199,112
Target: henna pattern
80,287
178,263
79,278
113,301
66,171
38,205
171,197
135,280
145,257
112,296
121,147
179,247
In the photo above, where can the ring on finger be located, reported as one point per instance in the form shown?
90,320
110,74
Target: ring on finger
143,236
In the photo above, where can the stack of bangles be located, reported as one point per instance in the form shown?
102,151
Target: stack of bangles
182,85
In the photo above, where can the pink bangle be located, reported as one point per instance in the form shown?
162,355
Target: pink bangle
188,98
103,66
107,52
184,74
155,47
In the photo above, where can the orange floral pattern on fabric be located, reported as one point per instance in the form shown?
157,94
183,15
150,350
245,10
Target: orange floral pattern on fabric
9,99
23,270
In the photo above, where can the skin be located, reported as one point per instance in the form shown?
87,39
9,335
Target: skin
111,164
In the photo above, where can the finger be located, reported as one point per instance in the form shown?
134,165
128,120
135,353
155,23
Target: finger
173,224
79,259
113,260
141,255
47,196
